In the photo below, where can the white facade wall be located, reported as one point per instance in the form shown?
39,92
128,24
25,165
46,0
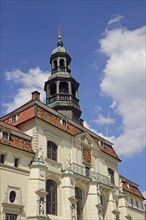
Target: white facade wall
99,198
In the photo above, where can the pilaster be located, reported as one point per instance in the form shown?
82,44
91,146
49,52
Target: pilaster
92,202
68,199
37,191
123,206
111,206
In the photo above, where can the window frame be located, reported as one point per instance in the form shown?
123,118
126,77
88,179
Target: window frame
14,118
51,197
137,204
9,216
112,175
51,153
2,161
5,135
12,196
16,164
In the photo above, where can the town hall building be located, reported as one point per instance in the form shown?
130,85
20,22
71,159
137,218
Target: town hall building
54,168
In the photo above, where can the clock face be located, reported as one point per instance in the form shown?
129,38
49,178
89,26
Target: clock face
86,155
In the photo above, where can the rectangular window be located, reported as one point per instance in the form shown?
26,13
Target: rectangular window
137,204
13,118
11,216
142,205
16,162
2,158
132,202
5,135
51,151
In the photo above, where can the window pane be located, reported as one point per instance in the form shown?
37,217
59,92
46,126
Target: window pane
2,158
51,198
53,209
7,216
11,216
51,150
16,162
111,173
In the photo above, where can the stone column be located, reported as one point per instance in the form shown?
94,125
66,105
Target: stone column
57,87
69,87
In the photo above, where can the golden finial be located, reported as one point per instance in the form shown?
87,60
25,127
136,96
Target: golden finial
59,34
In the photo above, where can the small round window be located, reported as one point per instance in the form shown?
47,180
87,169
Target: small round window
12,196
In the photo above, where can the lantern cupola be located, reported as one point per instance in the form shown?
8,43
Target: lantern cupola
61,88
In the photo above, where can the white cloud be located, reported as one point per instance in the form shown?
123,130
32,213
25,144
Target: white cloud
86,125
115,21
124,82
116,18
32,80
101,120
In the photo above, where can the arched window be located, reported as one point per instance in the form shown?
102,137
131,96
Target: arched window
63,87
55,64
51,197
111,173
62,63
53,89
73,90
51,150
79,197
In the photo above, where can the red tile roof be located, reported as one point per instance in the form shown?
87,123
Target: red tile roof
108,149
11,127
14,140
18,143
26,113
54,120
133,188
23,116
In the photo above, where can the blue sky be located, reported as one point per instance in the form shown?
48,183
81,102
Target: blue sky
106,42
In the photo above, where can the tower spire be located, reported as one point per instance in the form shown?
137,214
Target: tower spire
59,43
59,34
61,88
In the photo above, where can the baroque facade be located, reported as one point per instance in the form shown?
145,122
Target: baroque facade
52,167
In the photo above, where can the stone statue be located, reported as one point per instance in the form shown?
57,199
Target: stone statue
68,160
40,154
41,207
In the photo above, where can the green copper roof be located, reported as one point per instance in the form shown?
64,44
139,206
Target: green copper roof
59,49
38,163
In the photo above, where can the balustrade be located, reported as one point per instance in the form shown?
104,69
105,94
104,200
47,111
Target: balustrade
83,171
62,97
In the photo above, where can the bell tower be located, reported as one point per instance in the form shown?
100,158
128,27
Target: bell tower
61,88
